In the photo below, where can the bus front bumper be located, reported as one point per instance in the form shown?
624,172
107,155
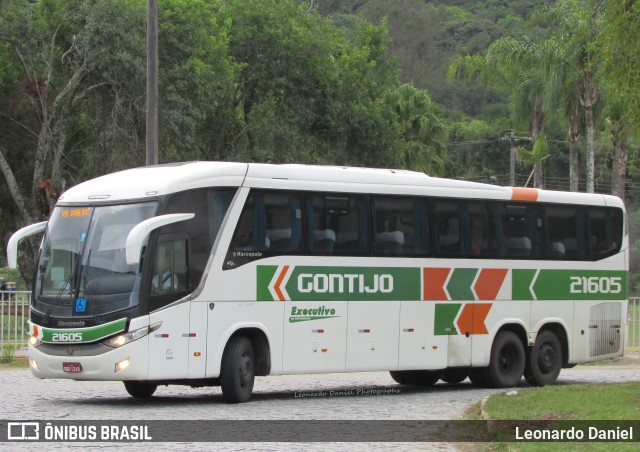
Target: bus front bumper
129,362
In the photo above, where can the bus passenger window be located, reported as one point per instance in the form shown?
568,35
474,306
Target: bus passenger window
400,226
565,232
337,223
605,227
270,224
516,231
462,229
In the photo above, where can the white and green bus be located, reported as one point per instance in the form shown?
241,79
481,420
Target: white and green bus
210,273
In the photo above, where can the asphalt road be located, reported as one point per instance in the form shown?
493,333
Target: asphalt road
355,396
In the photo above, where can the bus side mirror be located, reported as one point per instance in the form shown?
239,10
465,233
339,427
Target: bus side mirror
140,232
12,246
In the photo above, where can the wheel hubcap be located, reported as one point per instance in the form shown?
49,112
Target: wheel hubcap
246,370
546,358
506,360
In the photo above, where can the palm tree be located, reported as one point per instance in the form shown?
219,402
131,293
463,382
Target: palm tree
420,127
618,58
569,60
507,64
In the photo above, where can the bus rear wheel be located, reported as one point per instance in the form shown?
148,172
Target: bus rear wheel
140,389
545,360
238,370
507,361
476,376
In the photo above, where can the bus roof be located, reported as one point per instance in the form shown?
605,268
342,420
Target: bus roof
150,181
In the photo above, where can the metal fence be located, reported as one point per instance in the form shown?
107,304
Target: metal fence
14,317
633,331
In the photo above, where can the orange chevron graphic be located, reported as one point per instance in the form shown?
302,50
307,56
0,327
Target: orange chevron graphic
489,282
433,280
472,318
276,286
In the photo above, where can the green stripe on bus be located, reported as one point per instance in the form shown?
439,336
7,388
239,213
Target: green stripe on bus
311,283
83,335
353,283
445,315
580,285
521,283
264,277
569,285
459,286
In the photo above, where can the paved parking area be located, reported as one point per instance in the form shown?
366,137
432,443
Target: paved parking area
354,396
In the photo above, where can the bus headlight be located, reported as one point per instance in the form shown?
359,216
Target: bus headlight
125,338
34,341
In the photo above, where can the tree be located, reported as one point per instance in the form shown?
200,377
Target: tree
507,65
61,56
420,127
569,58
618,55
307,91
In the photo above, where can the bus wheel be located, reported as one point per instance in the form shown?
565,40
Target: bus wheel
140,389
238,370
422,377
415,377
476,375
507,361
454,375
545,360
399,377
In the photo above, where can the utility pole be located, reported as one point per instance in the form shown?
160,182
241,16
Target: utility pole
151,143
513,139
511,136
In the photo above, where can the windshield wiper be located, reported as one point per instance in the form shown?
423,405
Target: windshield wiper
66,287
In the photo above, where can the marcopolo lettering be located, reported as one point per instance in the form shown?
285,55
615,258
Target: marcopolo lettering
344,283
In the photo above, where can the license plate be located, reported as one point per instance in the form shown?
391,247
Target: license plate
72,367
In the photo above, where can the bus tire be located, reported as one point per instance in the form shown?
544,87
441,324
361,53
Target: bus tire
422,377
238,370
140,389
454,375
415,377
507,361
545,360
476,376
399,377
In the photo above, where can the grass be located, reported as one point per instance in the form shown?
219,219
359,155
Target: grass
591,402
9,322
10,334
14,363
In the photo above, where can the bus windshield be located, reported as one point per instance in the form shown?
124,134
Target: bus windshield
82,270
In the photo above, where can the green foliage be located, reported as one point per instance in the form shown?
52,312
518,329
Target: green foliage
281,82
13,275
618,54
475,147
420,127
8,354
